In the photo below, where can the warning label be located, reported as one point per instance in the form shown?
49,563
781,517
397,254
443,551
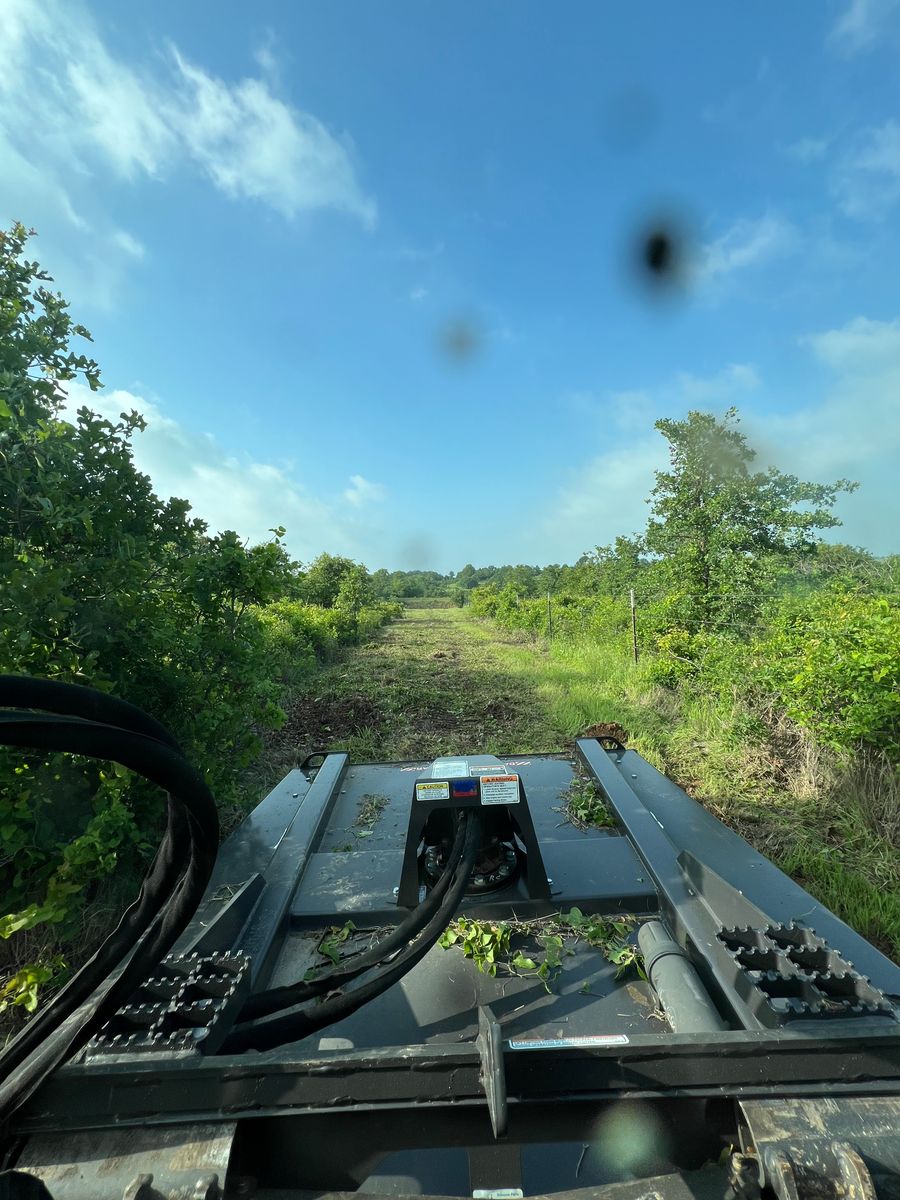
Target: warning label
432,791
499,789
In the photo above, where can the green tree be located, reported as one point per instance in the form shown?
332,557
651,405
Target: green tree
102,582
722,527
323,578
355,592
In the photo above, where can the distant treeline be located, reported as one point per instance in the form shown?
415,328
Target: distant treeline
612,570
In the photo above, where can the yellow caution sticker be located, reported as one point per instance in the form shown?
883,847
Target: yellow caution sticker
433,791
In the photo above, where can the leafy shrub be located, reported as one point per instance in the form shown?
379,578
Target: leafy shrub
833,660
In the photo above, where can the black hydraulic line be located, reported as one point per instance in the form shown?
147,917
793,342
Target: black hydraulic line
682,996
76,700
280,998
291,1027
169,895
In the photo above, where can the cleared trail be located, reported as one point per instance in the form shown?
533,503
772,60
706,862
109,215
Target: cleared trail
432,683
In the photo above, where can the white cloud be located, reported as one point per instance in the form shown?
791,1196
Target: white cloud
807,150
853,432
418,294
362,492
232,492
862,345
253,144
76,122
862,24
745,244
129,244
867,182
604,497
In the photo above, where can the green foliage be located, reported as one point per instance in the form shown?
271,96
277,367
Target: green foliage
486,944
102,582
602,617
833,659
585,806
610,935
332,940
721,528
21,989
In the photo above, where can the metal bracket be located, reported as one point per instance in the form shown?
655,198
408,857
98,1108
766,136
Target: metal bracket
821,1149
489,1044
179,1163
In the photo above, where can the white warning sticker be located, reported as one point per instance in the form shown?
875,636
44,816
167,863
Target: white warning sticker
449,768
432,791
497,1194
499,789
595,1039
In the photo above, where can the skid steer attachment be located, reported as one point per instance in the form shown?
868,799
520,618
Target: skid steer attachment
423,979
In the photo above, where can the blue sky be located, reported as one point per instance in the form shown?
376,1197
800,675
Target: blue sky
278,220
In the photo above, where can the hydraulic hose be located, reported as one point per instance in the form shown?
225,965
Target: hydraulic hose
76,700
280,998
291,1027
169,894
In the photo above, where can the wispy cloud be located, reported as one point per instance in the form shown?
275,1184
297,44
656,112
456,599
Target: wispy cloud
861,346
867,181
362,492
124,240
746,243
807,150
852,430
418,294
422,253
720,388
229,491
76,121
862,23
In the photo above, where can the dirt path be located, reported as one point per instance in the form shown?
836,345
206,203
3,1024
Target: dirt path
430,684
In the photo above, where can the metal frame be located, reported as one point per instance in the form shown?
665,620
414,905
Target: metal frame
734,1064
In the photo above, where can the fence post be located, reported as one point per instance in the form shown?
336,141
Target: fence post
633,624
549,617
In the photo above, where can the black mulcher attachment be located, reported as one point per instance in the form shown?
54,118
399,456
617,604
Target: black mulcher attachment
644,1007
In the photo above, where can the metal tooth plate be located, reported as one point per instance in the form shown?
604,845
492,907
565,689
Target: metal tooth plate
201,996
796,975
